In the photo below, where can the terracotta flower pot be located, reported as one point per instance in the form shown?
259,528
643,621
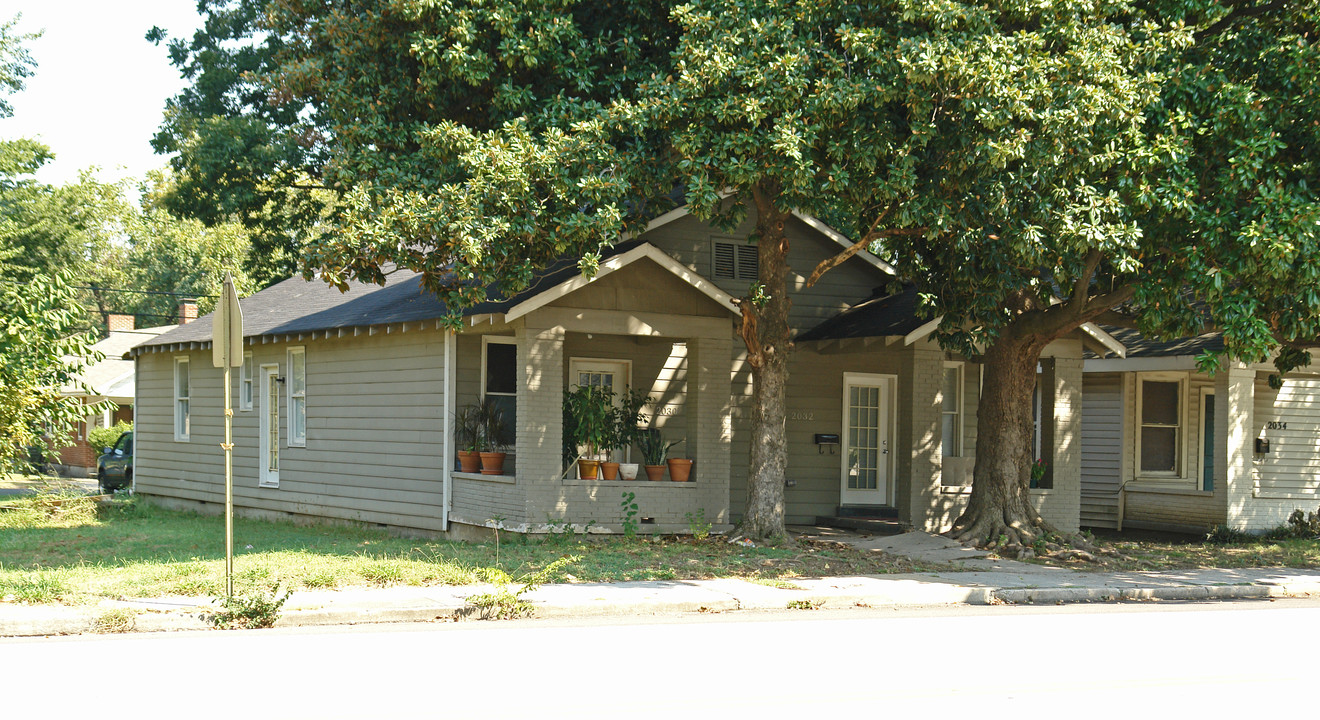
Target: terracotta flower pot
588,469
610,470
469,461
680,469
655,472
492,463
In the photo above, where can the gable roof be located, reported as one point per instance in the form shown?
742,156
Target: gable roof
881,315
297,306
112,376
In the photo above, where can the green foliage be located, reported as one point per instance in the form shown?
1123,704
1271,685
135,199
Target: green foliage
40,355
16,62
1226,535
257,606
505,603
1301,525
627,418
653,446
35,588
804,604
114,620
698,525
104,437
591,412
629,508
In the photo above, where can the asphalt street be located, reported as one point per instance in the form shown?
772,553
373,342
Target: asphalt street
1140,659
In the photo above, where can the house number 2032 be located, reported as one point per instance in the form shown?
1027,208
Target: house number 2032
1276,425
800,415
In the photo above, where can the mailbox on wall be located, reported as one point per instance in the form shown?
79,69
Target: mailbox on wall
1262,446
824,440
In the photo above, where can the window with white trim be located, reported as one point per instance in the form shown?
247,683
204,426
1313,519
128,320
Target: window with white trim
733,260
1207,439
297,384
499,378
1160,409
245,376
951,425
182,399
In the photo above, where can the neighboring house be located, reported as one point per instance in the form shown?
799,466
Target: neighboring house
1167,447
110,379
345,401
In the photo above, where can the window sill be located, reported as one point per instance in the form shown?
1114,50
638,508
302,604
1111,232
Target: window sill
506,479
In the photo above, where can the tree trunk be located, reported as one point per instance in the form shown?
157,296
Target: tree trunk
765,331
1000,508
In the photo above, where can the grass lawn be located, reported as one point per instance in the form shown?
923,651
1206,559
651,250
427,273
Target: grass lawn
1141,550
76,554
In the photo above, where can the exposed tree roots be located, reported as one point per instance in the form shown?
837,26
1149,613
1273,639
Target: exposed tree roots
1020,534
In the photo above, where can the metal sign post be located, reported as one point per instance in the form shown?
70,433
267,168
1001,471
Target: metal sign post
227,352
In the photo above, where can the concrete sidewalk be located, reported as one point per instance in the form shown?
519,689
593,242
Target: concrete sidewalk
1028,584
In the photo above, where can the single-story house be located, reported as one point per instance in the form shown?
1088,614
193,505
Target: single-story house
111,379
345,403
1167,447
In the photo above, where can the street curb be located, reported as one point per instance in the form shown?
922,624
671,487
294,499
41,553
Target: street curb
31,621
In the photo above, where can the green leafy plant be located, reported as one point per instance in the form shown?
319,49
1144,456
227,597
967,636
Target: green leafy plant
101,438
627,417
1038,470
629,507
257,606
467,428
698,525
804,604
495,432
591,410
505,603
653,446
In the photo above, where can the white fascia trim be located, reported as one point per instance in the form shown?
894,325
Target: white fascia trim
812,222
922,332
1109,341
843,240
618,262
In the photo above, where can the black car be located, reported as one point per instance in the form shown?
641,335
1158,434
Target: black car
114,469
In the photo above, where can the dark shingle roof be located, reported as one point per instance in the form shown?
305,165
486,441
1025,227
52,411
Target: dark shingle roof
1139,345
878,316
300,306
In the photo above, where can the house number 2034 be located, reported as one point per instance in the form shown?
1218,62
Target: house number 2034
800,415
1276,425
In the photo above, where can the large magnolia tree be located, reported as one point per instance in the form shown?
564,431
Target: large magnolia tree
1032,165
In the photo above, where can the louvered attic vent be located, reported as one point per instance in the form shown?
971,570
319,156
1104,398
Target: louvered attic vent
735,261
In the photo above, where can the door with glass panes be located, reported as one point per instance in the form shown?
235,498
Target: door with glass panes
269,427
866,441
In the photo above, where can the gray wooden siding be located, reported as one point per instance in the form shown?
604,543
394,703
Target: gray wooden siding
644,287
1102,449
688,240
375,432
1292,465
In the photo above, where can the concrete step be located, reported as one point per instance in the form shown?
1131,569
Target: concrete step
873,525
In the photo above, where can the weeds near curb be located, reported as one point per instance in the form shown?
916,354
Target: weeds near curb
114,620
804,604
506,604
256,607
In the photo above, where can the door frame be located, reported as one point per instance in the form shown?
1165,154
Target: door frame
575,364
884,492
269,381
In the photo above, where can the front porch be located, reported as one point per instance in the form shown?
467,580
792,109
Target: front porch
621,339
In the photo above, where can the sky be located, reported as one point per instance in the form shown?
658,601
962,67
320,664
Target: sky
100,88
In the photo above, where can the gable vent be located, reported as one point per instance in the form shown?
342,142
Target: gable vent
735,261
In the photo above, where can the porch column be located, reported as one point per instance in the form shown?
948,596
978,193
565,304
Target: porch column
1060,439
917,485
1235,400
709,421
540,411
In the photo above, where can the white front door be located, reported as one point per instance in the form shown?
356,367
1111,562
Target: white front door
269,443
866,460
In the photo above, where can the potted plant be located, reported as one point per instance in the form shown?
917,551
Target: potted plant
654,450
626,417
467,432
680,469
495,436
592,411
